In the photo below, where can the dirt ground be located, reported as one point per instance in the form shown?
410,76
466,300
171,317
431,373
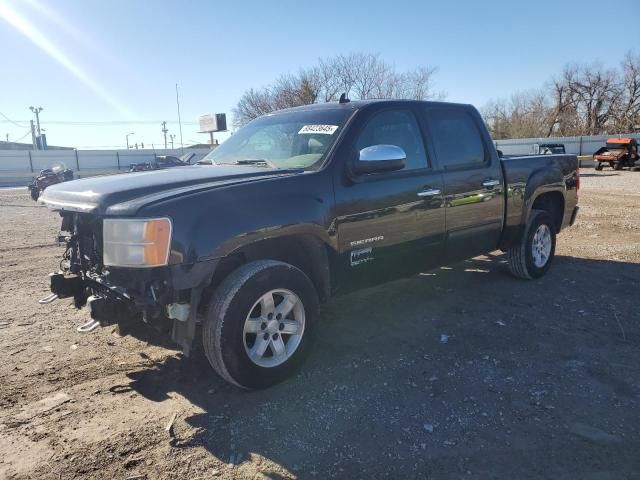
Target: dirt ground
536,379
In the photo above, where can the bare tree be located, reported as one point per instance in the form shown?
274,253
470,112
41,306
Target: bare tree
496,116
562,115
252,104
525,114
628,118
582,100
359,75
595,95
418,84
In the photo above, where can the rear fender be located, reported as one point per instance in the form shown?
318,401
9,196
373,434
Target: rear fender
541,182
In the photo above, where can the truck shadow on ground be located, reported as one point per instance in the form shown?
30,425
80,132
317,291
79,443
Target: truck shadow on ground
459,369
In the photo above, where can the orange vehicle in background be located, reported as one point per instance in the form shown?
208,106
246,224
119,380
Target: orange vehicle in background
618,153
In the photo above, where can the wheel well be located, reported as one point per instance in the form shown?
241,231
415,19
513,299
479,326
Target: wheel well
305,252
552,202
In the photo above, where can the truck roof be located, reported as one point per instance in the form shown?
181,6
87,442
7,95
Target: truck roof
355,104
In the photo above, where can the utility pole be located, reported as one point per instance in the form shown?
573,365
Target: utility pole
179,119
172,136
37,111
164,131
7,137
33,135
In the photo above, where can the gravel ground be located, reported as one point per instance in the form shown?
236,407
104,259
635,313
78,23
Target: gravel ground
536,379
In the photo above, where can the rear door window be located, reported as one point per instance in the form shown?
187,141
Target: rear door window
456,137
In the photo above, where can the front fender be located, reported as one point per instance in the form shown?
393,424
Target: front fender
213,224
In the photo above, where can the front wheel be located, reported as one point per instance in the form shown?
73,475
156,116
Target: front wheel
599,166
531,257
258,326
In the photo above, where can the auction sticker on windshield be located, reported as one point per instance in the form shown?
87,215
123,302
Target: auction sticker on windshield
325,129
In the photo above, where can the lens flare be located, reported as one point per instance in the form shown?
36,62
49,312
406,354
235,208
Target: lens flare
17,21
70,29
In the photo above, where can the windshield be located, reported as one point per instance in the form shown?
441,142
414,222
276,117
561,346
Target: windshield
283,140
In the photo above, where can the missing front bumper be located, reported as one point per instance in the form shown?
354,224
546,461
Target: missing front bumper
66,286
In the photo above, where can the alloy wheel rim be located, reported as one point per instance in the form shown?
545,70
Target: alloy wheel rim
541,246
274,328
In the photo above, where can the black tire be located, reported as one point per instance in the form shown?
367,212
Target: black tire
222,333
34,194
618,165
599,166
520,255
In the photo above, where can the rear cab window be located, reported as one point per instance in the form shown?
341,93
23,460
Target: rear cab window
456,137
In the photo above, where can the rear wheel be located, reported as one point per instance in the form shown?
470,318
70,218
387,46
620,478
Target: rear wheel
259,323
599,166
617,165
531,257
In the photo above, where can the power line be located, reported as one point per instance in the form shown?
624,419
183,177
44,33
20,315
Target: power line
7,119
28,133
98,123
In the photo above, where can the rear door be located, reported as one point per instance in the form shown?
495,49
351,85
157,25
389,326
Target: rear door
388,224
474,196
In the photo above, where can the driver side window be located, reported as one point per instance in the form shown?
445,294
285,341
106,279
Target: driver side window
399,128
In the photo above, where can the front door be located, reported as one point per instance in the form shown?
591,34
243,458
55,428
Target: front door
389,224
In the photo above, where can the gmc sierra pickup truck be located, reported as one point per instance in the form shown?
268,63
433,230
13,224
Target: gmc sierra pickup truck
297,206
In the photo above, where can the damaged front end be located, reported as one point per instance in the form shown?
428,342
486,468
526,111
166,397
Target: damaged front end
120,269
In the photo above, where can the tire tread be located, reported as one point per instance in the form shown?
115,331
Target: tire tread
216,312
517,254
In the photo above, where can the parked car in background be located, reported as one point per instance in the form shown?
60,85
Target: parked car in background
617,153
548,149
48,177
163,161
300,205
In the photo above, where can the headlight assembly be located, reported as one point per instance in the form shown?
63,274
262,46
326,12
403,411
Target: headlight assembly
143,242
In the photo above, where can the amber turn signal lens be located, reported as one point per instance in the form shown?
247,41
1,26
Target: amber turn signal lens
157,235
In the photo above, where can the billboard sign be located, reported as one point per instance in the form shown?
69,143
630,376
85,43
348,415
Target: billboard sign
213,122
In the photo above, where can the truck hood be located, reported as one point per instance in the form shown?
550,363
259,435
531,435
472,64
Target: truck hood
125,194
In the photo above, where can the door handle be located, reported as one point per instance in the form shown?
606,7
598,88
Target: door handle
430,192
490,182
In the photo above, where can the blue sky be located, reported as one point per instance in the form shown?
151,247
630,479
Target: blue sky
119,60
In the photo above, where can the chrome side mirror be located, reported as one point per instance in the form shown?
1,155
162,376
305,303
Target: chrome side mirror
380,158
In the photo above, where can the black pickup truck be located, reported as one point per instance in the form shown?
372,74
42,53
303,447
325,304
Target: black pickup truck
297,206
